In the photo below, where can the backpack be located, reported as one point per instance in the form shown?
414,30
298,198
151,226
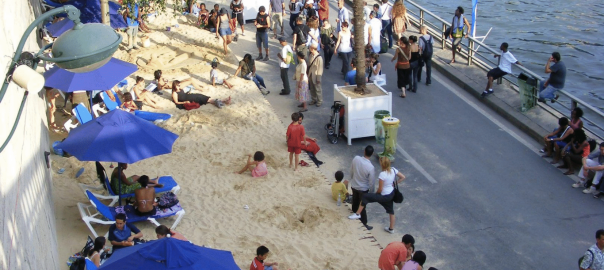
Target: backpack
167,200
427,47
383,44
583,257
301,35
78,264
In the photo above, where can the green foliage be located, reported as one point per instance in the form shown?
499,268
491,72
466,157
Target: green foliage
150,6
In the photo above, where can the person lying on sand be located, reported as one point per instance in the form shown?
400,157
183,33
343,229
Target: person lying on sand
180,97
163,83
257,166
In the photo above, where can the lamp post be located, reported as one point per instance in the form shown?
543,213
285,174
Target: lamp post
84,48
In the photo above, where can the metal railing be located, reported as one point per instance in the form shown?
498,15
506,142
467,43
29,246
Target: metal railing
478,57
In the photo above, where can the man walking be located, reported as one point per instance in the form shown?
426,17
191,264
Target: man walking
505,67
315,72
278,11
386,11
363,177
594,257
262,22
300,37
343,15
295,7
555,82
285,58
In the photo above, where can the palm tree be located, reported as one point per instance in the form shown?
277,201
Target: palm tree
359,45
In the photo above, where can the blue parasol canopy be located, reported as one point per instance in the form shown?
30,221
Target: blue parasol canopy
102,78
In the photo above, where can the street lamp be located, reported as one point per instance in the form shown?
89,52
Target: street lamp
84,48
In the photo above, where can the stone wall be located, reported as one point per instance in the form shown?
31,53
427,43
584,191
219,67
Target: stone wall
28,236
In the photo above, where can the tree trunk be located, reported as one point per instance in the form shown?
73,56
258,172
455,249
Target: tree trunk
105,12
359,45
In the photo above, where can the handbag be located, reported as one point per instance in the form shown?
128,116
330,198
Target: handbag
398,196
379,80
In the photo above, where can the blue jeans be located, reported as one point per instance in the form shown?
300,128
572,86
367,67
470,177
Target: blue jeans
387,26
547,92
257,80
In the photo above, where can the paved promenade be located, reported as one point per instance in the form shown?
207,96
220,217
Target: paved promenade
477,194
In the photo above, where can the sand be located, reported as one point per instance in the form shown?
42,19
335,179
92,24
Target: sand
292,213
349,91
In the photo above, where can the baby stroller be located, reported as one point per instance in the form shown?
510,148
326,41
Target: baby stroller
335,127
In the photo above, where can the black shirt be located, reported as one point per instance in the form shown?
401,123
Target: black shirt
301,29
262,21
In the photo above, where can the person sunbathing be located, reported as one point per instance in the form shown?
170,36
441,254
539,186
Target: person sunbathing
129,184
144,198
180,97
142,94
163,83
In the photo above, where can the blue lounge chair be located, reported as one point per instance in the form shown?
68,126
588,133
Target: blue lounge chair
110,104
152,116
167,181
97,212
81,114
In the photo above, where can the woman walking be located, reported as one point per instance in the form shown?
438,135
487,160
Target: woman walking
327,42
384,194
403,68
223,29
343,48
414,63
399,19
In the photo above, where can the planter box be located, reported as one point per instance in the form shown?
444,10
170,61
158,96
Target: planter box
359,109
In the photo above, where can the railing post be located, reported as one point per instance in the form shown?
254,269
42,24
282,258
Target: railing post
421,17
444,37
470,51
498,62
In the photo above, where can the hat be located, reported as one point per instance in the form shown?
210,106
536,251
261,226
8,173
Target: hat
223,11
282,39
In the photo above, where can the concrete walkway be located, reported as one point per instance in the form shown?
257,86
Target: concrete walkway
477,194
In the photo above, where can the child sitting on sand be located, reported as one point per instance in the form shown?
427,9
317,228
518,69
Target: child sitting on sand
128,104
257,166
258,262
339,188
214,77
295,138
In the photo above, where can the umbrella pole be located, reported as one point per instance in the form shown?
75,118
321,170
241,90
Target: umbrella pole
119,190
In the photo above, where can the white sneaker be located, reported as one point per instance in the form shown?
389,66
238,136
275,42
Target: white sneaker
578,184
387,229
589,190
243,34
354,216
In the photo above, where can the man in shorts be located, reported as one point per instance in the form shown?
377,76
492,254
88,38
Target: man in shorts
505,67
262,22
278,11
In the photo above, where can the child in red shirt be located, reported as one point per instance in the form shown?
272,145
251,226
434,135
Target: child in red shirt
258,262
295,137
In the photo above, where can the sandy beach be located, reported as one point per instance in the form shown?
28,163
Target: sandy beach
292,213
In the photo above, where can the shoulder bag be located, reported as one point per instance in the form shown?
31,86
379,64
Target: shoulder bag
398,195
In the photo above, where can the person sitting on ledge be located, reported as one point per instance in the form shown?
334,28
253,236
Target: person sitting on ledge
555,141
120,233
129,184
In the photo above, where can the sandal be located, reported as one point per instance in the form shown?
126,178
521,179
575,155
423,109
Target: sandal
304,164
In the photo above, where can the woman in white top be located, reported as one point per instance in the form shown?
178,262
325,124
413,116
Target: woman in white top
384,194
314,35
95,254
343,48
302,82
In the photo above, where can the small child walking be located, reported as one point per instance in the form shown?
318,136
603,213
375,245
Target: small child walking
295,137
214,77
302,86
256,166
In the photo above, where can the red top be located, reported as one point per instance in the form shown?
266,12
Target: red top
394,253
324,13
257,265
295,135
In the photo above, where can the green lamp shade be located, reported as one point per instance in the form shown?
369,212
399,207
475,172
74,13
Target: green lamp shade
86,47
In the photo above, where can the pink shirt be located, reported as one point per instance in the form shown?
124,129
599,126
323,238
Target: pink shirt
260,170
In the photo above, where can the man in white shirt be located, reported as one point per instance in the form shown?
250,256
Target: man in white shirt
362,180
343,15
284,64
366,11
386,11
505,67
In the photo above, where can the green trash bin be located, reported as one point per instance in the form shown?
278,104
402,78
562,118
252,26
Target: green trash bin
391,125
379,128
528,91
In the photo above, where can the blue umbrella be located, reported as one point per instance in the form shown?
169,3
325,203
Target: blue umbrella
118,136
91,11
170,253
60,27
102,78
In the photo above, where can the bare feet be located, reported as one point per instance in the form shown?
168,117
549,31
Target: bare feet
227,101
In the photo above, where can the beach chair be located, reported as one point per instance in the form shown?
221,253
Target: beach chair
97,212
81,114
105,187
97,110
110,104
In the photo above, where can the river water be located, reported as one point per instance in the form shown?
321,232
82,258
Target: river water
535,29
